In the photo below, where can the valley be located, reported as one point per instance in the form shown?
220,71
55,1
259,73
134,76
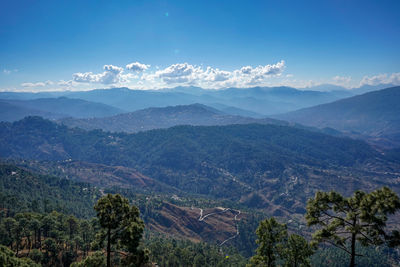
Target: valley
196,173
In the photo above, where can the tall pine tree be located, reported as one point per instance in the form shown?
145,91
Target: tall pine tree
344,221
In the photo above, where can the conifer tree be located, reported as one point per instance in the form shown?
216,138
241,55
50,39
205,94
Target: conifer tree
344,221
276,246
272,236
121,222
297,251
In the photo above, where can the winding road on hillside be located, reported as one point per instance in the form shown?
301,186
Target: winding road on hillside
202,217
237,231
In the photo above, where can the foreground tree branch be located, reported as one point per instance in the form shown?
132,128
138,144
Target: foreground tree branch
361,218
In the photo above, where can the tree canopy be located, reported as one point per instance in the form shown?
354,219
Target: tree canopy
121,222
344,221
276,246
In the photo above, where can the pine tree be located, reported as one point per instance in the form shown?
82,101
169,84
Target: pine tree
297,251
271,239
121,222
343,221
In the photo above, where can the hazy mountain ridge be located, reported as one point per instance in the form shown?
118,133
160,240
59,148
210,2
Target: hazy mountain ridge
12,112
374,116
258,100
53,108
156,118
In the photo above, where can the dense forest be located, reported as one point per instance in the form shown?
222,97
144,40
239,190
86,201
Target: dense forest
64,229
194,196
266,165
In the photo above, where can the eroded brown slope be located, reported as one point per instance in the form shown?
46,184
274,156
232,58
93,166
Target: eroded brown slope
211,225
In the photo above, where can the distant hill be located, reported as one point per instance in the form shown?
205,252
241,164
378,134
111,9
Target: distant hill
156,118
346,92
374,116
235,111
262,100
11,110
276,168
258,100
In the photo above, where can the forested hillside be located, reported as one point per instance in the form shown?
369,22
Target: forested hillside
373,116
267,166
200,184
53,108
157,118
23,191
180,231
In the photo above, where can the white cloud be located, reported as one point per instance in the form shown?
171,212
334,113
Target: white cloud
267,70
187,74
385,78
216,75
113,69
138,67
38,84
179,73
111,75
342,81
173,75
69,83
246,69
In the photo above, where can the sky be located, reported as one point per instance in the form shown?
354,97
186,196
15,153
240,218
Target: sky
151,44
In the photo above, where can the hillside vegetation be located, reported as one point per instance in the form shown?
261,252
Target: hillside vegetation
373,116
158,118
267,166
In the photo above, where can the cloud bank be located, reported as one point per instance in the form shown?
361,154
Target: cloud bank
385,78
209,77
138,67
111,75
38,84
138,75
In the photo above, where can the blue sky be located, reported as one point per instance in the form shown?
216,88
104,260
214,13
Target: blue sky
59,45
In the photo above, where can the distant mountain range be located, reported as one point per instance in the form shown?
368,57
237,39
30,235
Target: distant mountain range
12,112
156,118
374,116
354,91
256,101
53,108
